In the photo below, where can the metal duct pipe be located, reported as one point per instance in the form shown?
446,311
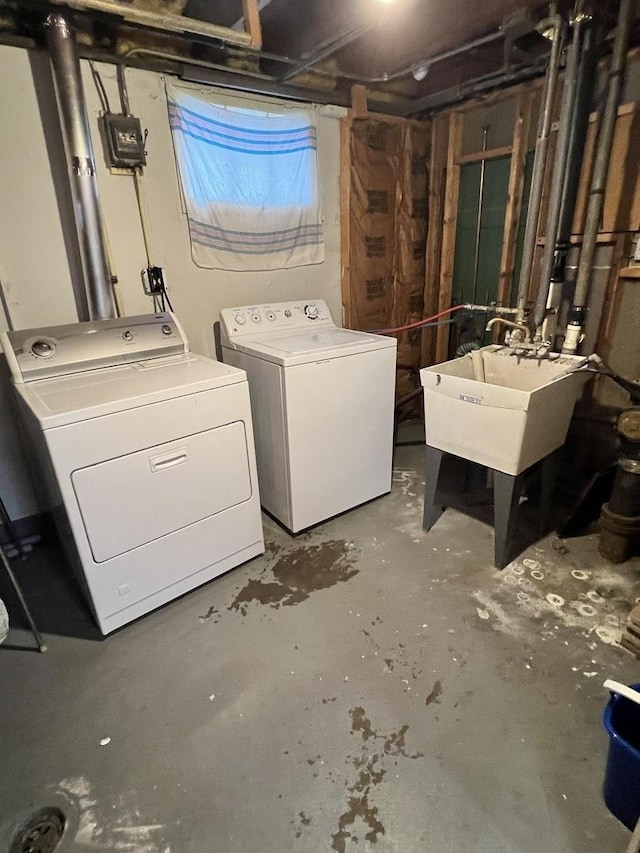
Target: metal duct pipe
567,108
617,69
82,171
539,162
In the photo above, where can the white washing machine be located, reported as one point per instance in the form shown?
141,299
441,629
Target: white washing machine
323,405
147,457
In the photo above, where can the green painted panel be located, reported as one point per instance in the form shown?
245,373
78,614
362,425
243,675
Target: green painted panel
470,284
476,268
466,232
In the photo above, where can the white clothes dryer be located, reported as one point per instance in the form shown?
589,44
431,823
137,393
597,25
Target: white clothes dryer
146,456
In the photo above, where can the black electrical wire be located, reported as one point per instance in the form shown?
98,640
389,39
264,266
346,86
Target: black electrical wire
165,295
102,92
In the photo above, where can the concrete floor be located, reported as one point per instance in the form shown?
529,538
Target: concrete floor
365,686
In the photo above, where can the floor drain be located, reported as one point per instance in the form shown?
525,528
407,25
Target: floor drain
40,834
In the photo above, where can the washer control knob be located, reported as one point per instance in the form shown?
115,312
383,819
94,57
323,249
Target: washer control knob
311,311
166,329
256,318
240,319
287,313
127,335
42,349
270,316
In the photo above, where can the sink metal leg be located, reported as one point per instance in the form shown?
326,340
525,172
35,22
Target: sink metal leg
432,512
507,489
550,468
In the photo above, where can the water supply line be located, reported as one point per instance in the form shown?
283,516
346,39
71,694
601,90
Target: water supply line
325,50
567,108
421,68
578,312
65,65
555,27
429,321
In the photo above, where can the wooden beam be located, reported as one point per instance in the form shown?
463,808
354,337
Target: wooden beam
611,306
392,119
494,97
359,101
252,22
491,154
514,195
449,223
437,165
345,219
630,272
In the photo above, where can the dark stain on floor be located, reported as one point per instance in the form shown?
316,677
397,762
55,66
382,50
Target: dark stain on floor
361,723
304,821
370,773
434,696
212,611
359,807
297,573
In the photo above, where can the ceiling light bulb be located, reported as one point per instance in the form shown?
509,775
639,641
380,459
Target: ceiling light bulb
420,70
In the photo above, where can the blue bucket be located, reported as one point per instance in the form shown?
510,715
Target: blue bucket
622,776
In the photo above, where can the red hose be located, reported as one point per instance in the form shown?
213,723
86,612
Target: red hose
419,322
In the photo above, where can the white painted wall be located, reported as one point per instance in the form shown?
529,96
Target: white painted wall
34,268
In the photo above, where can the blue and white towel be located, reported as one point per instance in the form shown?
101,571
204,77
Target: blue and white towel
250,184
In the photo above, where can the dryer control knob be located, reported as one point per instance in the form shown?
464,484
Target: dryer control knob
42,349
311,311
166,329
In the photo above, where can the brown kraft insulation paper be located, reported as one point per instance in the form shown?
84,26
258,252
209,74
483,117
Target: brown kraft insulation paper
388,222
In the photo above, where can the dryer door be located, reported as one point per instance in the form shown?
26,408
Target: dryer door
134,499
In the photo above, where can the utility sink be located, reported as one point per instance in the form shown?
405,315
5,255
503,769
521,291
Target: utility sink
518,415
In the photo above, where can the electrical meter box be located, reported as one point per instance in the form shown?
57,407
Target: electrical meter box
124,141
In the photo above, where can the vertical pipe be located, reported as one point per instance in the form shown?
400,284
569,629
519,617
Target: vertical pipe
578,132
81,162
595,204
557,181
476,258
587,30
540,158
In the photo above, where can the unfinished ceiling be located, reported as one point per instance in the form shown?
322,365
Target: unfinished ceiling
414,56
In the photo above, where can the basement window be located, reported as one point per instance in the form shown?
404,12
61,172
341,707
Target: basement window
250,183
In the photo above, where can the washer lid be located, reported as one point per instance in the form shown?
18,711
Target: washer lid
317,345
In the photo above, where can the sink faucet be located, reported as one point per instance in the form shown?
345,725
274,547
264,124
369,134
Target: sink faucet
523,331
